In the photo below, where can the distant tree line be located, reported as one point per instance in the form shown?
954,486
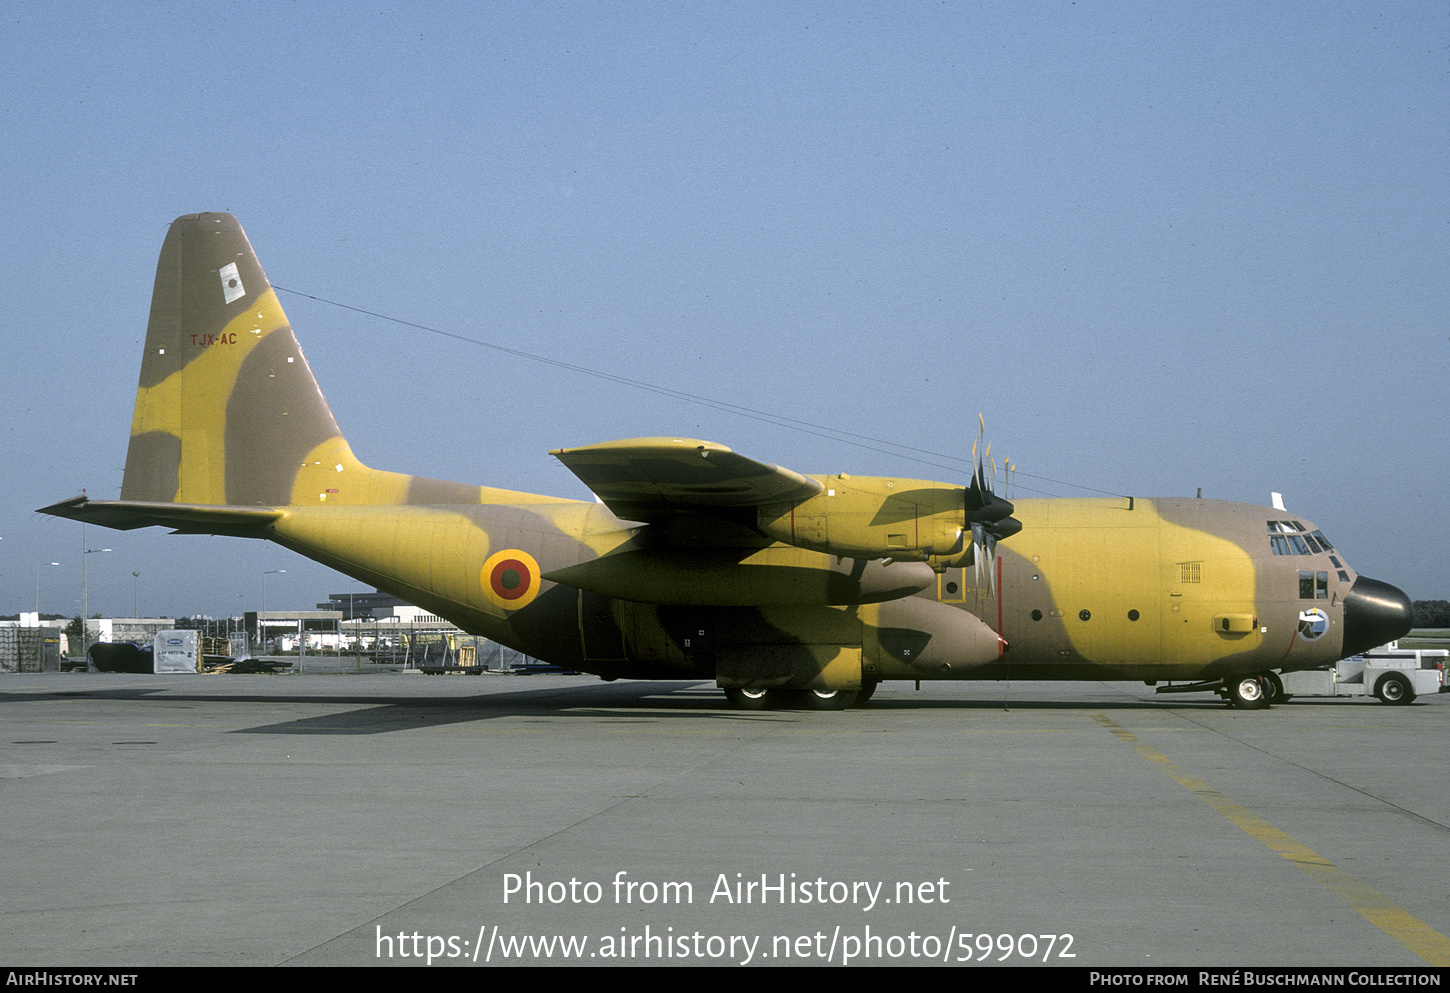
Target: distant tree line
1432,613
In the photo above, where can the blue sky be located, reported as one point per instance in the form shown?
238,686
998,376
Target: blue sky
1159,246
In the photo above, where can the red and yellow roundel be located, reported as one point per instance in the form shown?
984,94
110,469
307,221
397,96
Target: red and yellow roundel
510,579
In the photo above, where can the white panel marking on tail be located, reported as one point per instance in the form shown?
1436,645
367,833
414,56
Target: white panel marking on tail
232,287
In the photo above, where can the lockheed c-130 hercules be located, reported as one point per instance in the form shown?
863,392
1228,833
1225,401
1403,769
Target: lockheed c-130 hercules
698,563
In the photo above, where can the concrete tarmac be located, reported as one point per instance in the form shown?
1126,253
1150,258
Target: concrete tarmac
402,819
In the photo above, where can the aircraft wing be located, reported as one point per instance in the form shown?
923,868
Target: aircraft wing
127,515
645,479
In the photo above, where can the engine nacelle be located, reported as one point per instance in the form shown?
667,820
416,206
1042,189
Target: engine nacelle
766,577
871,517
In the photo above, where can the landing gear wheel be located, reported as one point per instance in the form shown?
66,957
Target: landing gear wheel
1247,692
1395,689
828,699
1274,688
748,699
868,687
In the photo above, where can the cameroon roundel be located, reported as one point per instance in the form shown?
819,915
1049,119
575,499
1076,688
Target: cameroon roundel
510,579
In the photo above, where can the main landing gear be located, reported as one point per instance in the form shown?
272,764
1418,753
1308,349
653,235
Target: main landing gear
868,687
744,699
753,699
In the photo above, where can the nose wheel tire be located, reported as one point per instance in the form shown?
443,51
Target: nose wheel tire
1274,688
1394,689
1247,692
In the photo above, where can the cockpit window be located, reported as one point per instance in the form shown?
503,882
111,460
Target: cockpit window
1313,586
1293,538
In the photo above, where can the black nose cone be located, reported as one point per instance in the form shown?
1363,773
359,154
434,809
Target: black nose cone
1374,613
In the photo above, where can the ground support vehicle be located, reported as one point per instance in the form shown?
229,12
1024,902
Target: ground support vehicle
1395,675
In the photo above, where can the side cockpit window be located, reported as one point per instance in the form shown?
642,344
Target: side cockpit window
1313,586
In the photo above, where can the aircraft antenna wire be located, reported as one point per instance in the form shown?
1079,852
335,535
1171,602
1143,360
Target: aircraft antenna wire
895,449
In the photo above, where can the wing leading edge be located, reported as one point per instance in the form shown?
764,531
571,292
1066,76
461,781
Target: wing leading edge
649,479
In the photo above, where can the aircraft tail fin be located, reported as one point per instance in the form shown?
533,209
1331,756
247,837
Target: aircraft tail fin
227,411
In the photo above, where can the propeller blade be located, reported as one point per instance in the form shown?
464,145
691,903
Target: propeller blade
989,515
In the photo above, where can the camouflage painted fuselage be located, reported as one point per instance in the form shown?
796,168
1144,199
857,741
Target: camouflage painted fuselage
1159,590
701,563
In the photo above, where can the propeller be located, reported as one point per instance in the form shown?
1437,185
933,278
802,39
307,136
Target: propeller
989,515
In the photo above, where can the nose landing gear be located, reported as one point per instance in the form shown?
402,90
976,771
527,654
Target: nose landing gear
1250,692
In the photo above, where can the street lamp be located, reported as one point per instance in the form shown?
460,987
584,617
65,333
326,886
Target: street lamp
261,643
136,593
85,587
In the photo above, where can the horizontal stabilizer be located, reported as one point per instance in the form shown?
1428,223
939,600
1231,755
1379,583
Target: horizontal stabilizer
127,515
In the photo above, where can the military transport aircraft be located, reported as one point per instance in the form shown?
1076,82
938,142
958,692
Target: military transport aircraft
698,563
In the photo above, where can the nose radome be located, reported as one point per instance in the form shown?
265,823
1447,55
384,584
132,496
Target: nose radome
1374,613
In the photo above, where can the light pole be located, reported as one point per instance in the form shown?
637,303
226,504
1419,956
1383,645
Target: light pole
352,619
261,642
136,593
37,587
85,588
